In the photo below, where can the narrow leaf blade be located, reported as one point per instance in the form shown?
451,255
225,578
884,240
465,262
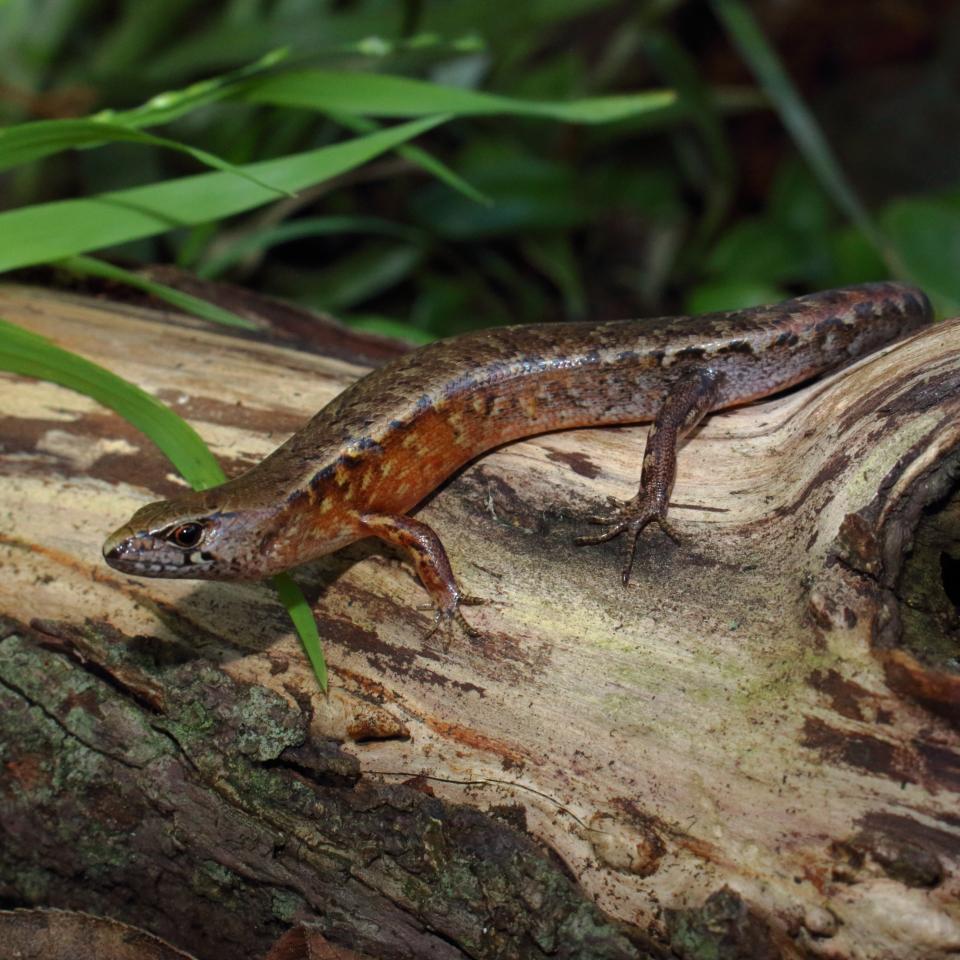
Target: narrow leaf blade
747,36
31,355
52,231
381,95
91,267
306,626
29,142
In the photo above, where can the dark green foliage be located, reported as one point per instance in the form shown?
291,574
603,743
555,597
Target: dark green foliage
553,189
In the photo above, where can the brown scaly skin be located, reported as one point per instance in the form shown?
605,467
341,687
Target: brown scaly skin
373,453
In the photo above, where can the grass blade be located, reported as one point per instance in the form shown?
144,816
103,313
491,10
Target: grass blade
420,157
28,142
52,231
380,95
747,37
31,355
167,106
91,267
300,613
697,98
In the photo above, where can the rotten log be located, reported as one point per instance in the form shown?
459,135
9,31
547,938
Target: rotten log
753,749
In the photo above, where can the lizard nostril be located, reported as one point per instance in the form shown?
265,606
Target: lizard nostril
114,551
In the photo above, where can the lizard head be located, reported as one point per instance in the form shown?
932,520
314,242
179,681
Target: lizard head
191,537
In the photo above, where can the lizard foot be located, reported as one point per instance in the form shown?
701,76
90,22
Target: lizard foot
631,517
447,618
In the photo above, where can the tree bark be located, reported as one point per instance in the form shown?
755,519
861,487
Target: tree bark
751,750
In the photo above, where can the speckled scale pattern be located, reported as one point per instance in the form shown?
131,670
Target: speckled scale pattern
500,384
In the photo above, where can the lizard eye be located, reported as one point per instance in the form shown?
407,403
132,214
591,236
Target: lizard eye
187,535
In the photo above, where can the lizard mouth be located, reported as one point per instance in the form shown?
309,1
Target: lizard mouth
145,557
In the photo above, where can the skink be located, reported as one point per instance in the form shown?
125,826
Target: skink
373,453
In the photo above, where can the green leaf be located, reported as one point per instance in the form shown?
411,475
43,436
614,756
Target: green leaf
755,250
52,231
443,299
133,33
854,258
798,203
420,157
31,355
387,327
379,95
731,295
306,626
29,142
353,278
231,37
926,234
698,100
553,255
167,106
531,194
520,24
91,267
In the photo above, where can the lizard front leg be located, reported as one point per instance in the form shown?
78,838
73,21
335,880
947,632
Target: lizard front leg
425,550
685,405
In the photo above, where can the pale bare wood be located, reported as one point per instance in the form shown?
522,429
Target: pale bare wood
729,720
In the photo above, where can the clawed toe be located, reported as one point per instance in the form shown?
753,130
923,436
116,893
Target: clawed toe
467,601
669,529
444,621
630,518
616,528
607,520
471,631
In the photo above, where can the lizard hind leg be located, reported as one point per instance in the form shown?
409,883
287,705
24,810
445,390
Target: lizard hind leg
685,405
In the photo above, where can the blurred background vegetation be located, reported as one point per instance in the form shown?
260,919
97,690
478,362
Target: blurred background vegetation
736,191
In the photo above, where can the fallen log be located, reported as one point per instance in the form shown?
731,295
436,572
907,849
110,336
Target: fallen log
753,746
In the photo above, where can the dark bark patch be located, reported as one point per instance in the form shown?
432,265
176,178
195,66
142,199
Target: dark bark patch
845,696
925,395
859,750
831,469
906,830
943,763
142,465
239,415
902,848
907,863
322,762
579,463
